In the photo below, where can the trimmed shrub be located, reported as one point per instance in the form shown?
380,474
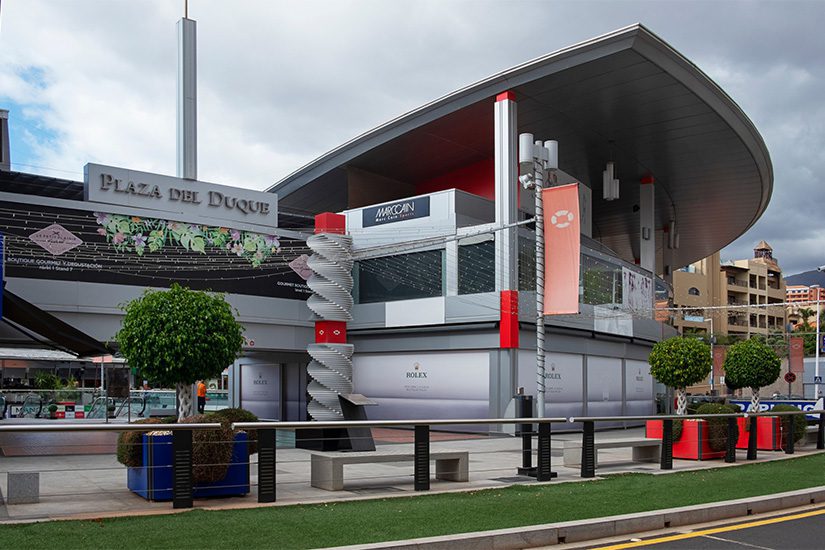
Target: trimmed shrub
130,444
718,427
800,422
211,450
230,415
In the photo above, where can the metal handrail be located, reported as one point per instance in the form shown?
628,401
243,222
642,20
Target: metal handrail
390,423
39,404
128,400
109,427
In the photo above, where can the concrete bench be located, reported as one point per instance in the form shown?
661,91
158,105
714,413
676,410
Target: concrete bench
23,487
327,469
644,449
811,433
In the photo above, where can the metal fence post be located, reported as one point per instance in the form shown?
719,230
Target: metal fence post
543,471
820,435
524,409
790,436
266,465
666,460
730,454
752,438
422,458
588,466
182,469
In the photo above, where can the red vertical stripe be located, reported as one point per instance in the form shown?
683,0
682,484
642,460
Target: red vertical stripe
508,325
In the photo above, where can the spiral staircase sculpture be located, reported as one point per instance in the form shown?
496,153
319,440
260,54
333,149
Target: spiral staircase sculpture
331,284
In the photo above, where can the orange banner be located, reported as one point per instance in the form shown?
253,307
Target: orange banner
562,244
797,354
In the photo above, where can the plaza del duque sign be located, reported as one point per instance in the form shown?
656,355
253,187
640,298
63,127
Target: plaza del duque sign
180,199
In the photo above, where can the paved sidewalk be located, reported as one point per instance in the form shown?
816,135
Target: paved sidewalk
95,485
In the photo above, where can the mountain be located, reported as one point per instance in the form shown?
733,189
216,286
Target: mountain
807,278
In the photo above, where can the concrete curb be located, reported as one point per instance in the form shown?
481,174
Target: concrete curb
597,528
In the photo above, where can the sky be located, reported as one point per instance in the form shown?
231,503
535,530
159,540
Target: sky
281,83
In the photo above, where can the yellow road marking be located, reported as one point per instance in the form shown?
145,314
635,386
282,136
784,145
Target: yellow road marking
713,531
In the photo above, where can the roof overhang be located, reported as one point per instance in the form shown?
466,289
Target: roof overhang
626,96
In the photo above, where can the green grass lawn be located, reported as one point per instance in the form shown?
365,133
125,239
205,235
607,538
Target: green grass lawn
309,526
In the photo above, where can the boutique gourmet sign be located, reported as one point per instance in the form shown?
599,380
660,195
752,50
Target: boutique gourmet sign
181,199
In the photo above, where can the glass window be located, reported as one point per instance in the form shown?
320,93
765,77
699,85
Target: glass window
402,277
477,268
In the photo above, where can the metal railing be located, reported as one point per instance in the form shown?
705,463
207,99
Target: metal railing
182,486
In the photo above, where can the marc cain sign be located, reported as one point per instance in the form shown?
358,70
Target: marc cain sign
110,185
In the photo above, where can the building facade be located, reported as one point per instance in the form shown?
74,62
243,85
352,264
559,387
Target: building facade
731,298
444,318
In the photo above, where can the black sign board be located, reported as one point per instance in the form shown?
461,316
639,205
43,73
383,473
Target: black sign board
396,212
43,242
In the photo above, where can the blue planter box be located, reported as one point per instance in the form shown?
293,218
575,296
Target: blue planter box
153,481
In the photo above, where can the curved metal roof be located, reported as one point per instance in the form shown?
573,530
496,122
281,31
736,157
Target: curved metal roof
626,96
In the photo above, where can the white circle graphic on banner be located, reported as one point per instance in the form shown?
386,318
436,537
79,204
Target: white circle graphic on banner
561,219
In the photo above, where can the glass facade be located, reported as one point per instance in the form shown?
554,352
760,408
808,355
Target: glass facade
402,277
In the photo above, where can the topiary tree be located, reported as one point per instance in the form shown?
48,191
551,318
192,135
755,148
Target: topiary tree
680,362
751,364
178,336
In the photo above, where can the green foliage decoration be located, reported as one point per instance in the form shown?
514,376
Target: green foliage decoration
47,381
680,362
718,427
148,235
799,426
179,335
751,364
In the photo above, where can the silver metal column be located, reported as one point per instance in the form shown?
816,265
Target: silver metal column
506,192
187,138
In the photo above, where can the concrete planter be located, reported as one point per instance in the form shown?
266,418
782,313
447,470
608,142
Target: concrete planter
693,443
153,481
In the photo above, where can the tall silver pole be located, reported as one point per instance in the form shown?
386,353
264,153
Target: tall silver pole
539,182
711,353
187,115
816,365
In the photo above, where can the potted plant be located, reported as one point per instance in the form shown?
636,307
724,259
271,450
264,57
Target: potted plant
220,458
52,411
680,362
753,364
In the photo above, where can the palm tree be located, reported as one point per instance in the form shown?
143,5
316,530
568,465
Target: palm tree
806,313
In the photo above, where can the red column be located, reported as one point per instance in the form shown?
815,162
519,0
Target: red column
330,332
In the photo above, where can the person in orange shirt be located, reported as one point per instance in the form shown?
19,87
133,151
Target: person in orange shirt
201,396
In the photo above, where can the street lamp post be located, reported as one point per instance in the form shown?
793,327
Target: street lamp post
710,339
817,394
536,161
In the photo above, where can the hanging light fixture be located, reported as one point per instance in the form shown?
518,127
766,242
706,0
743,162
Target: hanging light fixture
610,184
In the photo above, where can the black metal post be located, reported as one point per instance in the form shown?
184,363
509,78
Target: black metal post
524,409
588,466
752,438
730,454
182,469
790,436
666,461
543,472
820,435
266,465
422,458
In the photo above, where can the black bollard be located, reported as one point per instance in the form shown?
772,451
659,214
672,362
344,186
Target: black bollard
730,454
752,438
790,436
524,409
666,462
820,434
588,466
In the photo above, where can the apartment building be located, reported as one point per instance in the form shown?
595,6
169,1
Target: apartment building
747,287
803,297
